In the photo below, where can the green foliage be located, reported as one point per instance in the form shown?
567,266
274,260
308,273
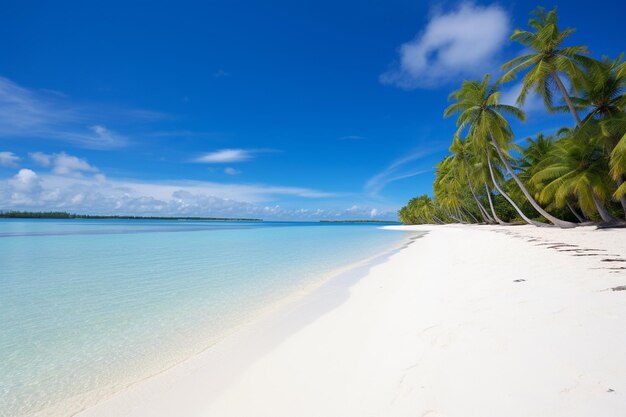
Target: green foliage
548,58
419,210
577,175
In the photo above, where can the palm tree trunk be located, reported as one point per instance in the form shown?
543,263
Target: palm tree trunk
555,221
456,219
602,211
493,211
567,99
483,212
575,213
481,208
622,200
470,215
505,195
449,214
461,216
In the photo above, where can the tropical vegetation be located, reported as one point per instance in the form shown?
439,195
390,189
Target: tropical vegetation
575,176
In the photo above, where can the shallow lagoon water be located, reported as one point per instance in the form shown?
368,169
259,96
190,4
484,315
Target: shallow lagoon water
91,306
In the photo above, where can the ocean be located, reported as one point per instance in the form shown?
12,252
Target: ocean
88,307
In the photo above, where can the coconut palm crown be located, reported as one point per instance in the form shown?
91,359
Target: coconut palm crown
547,60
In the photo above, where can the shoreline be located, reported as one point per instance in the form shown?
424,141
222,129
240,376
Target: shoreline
466,321
272,313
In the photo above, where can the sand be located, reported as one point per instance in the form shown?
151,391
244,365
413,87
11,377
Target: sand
466,321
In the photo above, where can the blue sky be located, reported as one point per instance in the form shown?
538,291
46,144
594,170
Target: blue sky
279,110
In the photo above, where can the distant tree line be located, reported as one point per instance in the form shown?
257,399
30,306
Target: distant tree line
65,215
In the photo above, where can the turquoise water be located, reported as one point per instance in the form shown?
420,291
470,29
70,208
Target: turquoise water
88,307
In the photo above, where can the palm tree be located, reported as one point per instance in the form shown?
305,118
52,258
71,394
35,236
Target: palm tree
482,174
576,167
602,89
535,152
447,187
547,60
603,94
461,157
616,127
419,210
493,172
481,113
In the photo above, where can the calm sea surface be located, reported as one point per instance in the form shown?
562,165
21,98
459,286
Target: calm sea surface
88,307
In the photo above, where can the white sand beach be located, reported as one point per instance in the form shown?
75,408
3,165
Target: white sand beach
466,321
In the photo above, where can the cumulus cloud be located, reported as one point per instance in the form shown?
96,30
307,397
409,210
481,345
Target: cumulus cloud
24,188
28,190
8,159
225,156
67,182
460,43
72,182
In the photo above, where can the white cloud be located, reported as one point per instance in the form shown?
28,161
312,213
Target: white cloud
24,188
457,44
44,114
95,194
24,180
92,137
8,159
399,169
231,171
225,156
23,110
41,158
105,138
533,101
72,184
63,164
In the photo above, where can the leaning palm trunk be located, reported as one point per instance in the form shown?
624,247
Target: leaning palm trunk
462,216
469,214
451,216
602,211
622,199
555,221
505,195
567,99
457,219
575,213
493,210
483,212
438,220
